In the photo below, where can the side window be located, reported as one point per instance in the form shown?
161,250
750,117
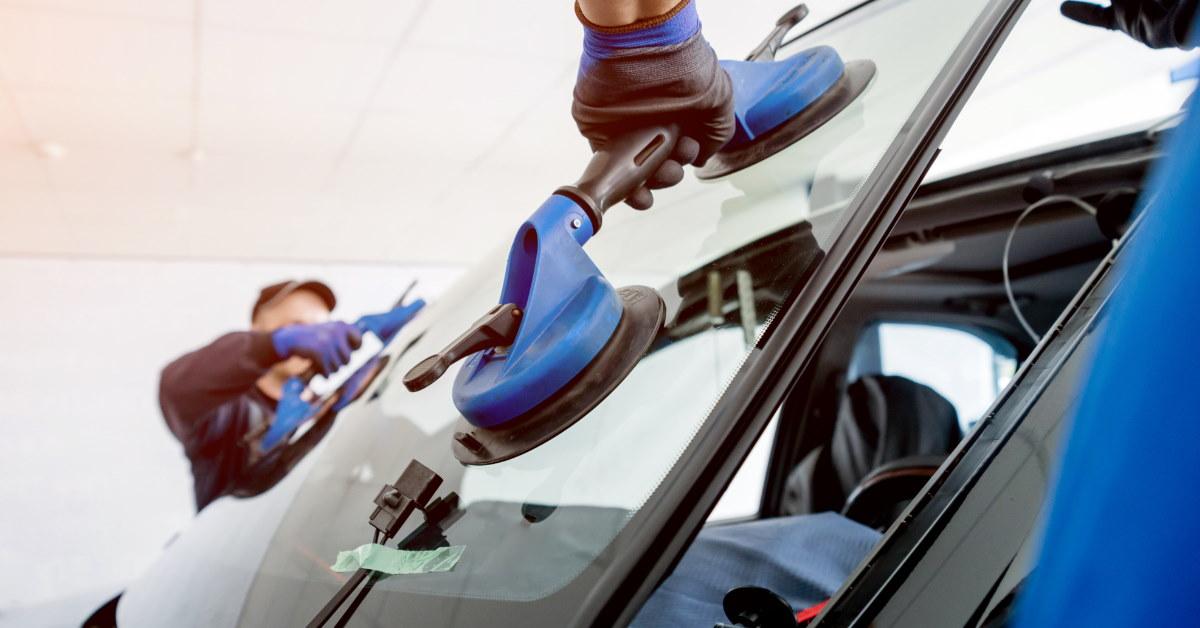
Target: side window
967,366
743,498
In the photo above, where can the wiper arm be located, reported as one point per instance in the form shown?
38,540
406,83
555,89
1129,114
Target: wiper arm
394,504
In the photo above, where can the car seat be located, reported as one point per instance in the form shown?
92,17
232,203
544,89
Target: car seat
882,419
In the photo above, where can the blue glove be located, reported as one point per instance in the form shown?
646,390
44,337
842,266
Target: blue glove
651,71
290,412
387,324
328,345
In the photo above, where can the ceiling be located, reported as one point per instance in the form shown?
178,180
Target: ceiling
393,131
408,131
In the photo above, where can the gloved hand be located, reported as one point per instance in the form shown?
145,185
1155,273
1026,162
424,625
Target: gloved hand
654,71
387,324
328,345
290,412
1156,23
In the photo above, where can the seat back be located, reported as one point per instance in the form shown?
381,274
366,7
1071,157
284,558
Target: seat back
882,418
881,496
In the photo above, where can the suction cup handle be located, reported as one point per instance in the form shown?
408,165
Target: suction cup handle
769,46
620,168
497,328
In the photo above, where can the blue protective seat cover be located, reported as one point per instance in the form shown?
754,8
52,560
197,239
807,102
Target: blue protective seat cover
805,559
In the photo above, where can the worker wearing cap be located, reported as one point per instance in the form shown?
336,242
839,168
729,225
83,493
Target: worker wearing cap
213,396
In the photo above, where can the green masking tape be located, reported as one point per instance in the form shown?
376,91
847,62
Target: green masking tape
394,562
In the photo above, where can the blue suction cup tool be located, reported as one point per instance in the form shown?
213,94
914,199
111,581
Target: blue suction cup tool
563,338
778,103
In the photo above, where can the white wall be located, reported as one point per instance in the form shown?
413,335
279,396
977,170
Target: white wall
93,483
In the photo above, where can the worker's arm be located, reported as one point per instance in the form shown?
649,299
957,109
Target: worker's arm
1156,23
196,384
645,62
199,382
622,12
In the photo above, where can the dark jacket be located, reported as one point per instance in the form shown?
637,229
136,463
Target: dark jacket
210,401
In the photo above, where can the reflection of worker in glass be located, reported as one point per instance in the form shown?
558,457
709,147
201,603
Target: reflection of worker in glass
645,62
213,396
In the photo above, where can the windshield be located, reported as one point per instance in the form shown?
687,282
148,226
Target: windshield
1055,84
539,530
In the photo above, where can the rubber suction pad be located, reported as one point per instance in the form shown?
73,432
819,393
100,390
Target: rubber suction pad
642,317
850,86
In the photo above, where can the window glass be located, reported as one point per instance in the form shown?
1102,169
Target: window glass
743,498
967,367
723,254
1055,84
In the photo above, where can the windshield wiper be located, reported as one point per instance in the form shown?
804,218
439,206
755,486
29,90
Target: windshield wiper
395,503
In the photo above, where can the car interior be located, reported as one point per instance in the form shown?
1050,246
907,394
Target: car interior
930,337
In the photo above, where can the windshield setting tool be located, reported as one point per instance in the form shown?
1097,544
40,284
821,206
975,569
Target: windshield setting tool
778,103
563,337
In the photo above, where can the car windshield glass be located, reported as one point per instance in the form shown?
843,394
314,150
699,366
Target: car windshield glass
724,254
1056,83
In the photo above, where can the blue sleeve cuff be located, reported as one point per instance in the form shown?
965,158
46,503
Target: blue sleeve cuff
674,27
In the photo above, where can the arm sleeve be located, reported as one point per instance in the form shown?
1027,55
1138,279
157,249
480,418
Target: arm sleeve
199,382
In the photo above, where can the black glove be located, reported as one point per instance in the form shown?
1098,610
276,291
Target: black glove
1156,23
654,71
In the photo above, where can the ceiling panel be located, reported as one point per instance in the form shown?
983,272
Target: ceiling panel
425,236
441,135
259,183
288,73
543,137
270,130
356,20
12,128
542,28
32,222
406,185
147,9
148,175
468,82
21,167
85,52
244,231
490,206
104,224
120,122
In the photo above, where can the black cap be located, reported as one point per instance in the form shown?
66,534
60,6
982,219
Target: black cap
275,293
